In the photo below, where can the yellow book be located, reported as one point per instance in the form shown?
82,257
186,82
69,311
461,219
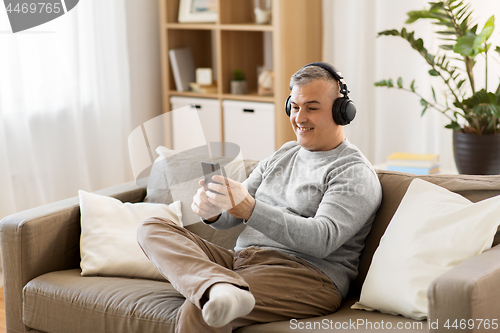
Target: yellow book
413,160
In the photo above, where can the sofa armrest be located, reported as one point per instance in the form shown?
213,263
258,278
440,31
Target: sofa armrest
44,239
470,290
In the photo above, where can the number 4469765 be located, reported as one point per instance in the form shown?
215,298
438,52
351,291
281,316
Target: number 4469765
40,7
472,324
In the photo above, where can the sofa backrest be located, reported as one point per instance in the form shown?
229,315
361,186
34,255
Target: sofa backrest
394,186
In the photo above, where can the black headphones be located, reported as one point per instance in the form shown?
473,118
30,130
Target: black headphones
343,110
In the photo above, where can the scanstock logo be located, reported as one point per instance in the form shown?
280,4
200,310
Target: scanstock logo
26,14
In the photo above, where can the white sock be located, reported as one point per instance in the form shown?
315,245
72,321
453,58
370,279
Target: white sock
226,302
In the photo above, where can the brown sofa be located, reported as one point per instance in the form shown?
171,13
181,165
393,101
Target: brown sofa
45,292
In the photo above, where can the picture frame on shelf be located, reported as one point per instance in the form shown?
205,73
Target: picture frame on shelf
197,11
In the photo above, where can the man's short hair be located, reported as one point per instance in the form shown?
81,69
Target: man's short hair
308,74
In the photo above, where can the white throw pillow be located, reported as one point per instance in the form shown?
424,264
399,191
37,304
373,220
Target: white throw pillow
432,231
108,244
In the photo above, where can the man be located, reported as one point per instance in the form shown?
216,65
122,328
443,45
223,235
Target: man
307,210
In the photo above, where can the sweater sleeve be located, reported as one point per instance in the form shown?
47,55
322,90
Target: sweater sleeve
347,205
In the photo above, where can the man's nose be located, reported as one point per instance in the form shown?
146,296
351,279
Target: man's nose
300,117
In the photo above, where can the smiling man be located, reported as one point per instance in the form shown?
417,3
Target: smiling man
311,115
307,209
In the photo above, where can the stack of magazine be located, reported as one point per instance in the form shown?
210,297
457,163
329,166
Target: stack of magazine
418,164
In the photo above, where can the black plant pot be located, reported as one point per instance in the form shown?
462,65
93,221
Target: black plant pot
477,154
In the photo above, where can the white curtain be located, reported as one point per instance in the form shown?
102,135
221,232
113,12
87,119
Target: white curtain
389,120
64,106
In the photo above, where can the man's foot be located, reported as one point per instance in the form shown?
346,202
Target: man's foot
226,302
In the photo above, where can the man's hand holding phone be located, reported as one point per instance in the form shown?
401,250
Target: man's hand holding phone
231,196
202,206
221,193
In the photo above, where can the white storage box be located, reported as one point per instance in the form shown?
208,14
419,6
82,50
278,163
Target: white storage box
250,125
209,115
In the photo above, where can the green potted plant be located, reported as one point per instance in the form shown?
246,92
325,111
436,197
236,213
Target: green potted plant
239,84
473,111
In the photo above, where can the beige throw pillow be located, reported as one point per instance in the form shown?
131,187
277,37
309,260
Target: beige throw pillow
108,244
432,231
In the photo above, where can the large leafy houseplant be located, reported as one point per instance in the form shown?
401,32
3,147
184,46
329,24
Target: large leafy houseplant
470,109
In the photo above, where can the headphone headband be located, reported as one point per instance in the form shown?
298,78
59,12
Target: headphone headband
336,75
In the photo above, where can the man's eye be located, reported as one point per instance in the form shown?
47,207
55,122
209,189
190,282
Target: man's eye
313,109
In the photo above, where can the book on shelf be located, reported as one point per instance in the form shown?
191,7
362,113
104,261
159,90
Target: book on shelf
413,160
182,63
203,89
414,170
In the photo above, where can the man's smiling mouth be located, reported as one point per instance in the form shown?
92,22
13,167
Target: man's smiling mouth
304,129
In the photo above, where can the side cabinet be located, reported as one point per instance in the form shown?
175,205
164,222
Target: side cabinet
208,114
251,126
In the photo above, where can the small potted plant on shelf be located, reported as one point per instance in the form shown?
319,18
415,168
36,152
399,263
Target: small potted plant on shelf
473,112
239,84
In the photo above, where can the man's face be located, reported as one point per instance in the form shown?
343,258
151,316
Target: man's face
311,116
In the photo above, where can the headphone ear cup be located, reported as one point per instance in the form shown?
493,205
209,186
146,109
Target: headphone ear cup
343,111
288,106
337,111
348,111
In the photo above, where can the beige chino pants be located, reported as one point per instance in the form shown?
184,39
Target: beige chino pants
284,286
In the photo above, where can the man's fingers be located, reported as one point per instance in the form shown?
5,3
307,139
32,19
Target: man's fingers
201,200
195,208
198,197
229,189
202,212
201,194
199,203
200,191
219,200
222,189
204,209
220,204
224,180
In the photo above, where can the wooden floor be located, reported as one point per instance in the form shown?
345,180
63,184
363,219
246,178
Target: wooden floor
3,328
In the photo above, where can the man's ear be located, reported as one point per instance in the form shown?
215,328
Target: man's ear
337,85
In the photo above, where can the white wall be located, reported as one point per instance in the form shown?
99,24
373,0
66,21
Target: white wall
144,56
389,120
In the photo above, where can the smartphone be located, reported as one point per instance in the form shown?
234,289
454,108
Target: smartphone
211,169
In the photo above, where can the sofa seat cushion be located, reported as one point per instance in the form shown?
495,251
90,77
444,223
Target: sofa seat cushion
64,301
344,320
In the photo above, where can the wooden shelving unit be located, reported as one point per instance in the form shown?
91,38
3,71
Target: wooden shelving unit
238,43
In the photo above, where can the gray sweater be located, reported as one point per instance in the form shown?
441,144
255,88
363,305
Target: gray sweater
317,206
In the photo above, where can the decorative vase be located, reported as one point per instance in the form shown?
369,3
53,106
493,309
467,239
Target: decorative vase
239,87
477,154
262,11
